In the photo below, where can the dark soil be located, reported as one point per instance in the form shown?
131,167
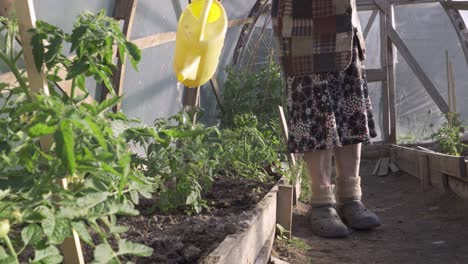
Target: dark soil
179,238
411,233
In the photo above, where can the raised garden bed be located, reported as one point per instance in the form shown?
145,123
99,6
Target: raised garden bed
238,227
438,172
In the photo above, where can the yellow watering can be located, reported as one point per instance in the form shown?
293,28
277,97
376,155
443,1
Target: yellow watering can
199,41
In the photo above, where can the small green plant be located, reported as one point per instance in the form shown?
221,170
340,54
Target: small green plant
249,149
281,232
449,135
258,93
177,153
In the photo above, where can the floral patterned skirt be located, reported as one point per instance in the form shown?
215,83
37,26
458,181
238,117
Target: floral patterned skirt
328,110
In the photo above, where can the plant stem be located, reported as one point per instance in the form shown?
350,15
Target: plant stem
11,248
15,71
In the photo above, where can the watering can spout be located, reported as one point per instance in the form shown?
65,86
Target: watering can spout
189,70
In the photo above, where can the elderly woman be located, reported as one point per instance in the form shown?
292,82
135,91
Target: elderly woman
329,112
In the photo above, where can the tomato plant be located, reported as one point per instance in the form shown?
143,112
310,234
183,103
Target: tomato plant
86,150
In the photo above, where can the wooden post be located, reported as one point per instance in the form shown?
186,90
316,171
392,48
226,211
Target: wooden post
123,10
38,83
384,64
452,86
284,128
285,205
388,64
370,23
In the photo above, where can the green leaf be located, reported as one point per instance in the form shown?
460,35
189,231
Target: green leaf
103,254
54,49
134,53
131,248
92,199
77,68
118,229
65,141
31,234
61,232
76,35
135,196
38,51
38,130
48,223
49,255
108,103
82,231
5,258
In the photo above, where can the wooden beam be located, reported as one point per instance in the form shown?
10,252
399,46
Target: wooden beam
190,96
162,38
391,80
384,6
417,69
459,5
217,92
370,22
38,83
376,75
124,10
284,128
407,159
459,25
385,83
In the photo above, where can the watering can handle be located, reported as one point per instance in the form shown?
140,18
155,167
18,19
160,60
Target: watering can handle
204,17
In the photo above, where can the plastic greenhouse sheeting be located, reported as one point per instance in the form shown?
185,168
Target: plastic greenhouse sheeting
153,91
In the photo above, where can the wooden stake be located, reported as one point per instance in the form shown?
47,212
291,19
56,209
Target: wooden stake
284,128
452,86
124,10
38,83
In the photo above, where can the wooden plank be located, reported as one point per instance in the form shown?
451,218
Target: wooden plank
459,5
424,173
459,187
385,85
190,96
284,128
417,69
391,80
376,75
393,167
405,158
376,167
449,165
155,40
285,207
383,170
123,10
244,248
217,92
459,25
264,256
452,88
38,83
384,6
370,23
162,38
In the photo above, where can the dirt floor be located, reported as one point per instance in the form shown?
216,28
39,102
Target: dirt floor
411,232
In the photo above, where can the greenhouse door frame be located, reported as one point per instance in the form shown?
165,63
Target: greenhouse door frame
391,42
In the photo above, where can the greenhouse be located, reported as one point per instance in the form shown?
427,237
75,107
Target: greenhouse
204,131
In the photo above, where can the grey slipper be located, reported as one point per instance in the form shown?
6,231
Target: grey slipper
357,216
326,223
